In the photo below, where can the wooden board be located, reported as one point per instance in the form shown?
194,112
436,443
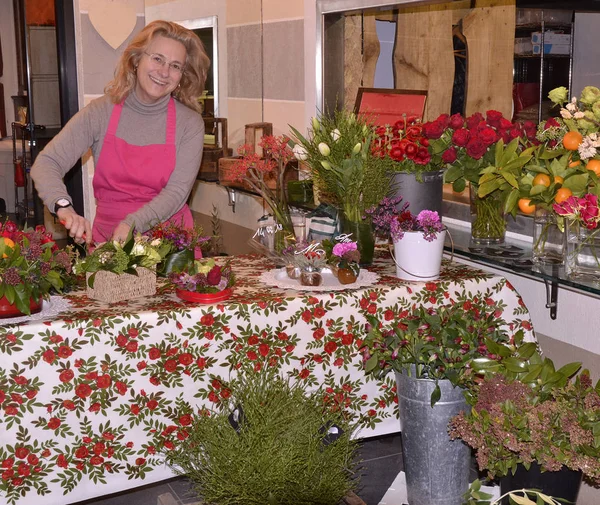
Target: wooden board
371,50
424,57
353,61
490,32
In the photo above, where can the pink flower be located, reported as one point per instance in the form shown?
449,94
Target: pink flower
343,247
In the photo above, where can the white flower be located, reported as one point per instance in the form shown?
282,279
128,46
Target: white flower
335,135
565,114
571,107
138,249
299,152
315,124
357,148
324,149
579,115
156,242
586,149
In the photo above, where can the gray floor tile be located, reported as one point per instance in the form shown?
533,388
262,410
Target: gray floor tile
146,496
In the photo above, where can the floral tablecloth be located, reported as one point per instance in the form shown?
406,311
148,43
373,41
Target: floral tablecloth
97,392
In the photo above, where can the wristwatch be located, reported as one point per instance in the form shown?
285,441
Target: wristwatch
61,203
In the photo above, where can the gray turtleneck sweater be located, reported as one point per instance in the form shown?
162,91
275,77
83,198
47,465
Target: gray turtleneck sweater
140,124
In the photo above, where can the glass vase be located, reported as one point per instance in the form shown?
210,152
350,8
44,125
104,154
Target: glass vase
362,233
548,239
488,225
582,260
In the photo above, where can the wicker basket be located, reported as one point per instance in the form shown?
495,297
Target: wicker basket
110,287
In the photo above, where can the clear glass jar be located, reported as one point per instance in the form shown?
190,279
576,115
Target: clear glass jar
582,260
488,224
548,239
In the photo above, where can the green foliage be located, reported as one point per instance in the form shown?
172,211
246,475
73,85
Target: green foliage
277,456
475,496
530,412
216,240
440,344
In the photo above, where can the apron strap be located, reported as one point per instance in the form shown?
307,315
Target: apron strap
114,119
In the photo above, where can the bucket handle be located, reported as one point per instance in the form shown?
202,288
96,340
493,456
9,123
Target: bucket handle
391,248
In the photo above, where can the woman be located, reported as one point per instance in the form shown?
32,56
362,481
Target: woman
146,136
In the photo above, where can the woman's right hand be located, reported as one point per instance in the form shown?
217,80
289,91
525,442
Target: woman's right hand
79,227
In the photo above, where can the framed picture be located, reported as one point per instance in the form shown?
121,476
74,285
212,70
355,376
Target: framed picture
386,106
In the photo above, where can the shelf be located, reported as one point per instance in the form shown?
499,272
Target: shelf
537,56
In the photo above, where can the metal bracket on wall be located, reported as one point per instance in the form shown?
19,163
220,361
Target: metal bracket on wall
231,194
552,296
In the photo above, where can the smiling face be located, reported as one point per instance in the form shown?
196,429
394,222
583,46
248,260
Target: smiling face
156,80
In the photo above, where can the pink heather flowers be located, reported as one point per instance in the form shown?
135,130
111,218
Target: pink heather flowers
584,209
427,221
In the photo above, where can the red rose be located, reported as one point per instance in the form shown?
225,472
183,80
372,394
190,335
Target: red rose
98,448
201,362
31,394
49,356
186,359
104,381
347,339
154,380
95,407
304,373
422,157
141,365
514,133
330,347
55,339
140,461
433,129
87,440
91,376
306,316
7,474
61,461
319,312
185,420
66,375
505,124
107,435
317,358
456,121
82,452
8,463
212,396
225,393
96,460
319,333
263,349
121,387
251,355
154,353
476,148
64,351
461,137
132,346
68,405
552,122
474,120
493,117
134,409
24,469
19,379
11,410
289,348
171,365
2,396
16,397
21,452
133,332
83,390
449,155
214,276
121,340
207,320
253,340
152,404
53,424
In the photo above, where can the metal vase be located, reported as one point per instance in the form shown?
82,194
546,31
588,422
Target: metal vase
426,194
437,468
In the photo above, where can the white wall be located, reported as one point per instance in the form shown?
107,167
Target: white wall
9,58
586,52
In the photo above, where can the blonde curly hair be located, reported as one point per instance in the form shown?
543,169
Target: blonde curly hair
193,78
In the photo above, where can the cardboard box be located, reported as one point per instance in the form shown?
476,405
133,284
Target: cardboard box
523,45
552,49
551,37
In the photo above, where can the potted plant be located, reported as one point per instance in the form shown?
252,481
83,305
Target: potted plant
476,496
432,352
269,441
532,421
405,152
203,281
31,265
338,153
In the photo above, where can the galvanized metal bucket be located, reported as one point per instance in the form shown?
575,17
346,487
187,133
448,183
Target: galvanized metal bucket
437,468
426,194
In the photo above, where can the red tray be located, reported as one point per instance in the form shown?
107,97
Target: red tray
192,296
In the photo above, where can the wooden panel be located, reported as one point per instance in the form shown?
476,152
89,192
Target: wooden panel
353,61
490,32
423,57
372,48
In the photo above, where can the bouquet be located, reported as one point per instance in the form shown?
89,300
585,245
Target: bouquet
338,152
31,265
386,211
204,276
137,251
427,221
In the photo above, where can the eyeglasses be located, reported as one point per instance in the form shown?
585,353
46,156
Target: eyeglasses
159,61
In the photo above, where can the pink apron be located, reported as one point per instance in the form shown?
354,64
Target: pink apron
127,177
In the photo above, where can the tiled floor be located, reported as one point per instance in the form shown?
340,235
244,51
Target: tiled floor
381,461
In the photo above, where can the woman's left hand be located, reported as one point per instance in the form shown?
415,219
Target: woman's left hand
121,232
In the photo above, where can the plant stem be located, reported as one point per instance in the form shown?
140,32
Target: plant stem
489,219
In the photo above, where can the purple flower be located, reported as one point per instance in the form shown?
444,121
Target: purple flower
427,221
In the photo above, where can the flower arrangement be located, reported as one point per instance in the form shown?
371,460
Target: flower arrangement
257,171
584,210
440,343
123,257
338,152
402,147
345,255
204,276
184,245
534,415
383,213
427,221
31,265
310,257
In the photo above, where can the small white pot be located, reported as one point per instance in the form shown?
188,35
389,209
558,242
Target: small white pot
417,259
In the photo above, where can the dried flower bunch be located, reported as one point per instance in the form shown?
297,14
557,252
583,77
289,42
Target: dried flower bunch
204,276
536,414
440,343
31,265
123,257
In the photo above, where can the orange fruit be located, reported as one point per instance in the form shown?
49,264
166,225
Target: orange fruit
575,163
562,194
542,179
594,166
9,243
525,206
558,179
571,140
